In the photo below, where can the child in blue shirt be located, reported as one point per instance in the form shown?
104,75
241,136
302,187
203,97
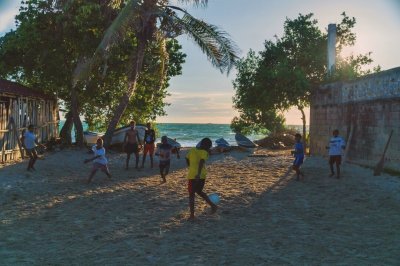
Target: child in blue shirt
299,156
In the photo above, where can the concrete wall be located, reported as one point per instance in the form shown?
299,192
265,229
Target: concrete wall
371,106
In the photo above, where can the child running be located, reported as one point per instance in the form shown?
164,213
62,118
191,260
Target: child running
29,142
99,160
164,152
299,156
195,159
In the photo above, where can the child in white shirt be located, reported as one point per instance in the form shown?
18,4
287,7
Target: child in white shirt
99,160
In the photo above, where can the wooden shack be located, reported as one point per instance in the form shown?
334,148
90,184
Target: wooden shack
21,106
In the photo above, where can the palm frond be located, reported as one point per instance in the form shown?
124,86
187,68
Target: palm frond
215,43
121,24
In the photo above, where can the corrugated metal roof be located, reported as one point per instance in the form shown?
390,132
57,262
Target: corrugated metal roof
14,88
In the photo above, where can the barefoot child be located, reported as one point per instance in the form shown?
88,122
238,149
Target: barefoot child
149,139
29,142
195,159
164,152
99,160
336,145
298,155
132,144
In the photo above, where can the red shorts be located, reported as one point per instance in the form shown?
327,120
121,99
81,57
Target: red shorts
149,148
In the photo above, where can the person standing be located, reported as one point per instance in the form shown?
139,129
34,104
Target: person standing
164,152
336,145
195,159
132,144
29,142
149,146
298,156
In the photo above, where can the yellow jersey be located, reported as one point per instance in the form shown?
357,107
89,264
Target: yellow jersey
194,156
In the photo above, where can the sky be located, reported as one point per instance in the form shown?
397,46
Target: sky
203,95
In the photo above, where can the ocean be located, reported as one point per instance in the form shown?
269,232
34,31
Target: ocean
188,135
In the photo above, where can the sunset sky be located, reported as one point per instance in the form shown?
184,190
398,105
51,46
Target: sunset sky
204,95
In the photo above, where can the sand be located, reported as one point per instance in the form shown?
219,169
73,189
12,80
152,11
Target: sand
265,217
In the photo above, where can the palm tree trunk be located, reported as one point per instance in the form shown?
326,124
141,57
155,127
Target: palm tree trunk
76,118
65,133
303,118
124,101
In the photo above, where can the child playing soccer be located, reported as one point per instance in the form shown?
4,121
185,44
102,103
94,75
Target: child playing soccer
29,142
99,160
164,152
195,159
299,156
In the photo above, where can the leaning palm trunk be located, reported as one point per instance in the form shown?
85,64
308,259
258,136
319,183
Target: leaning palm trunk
303,118
141,17
124,100
76,118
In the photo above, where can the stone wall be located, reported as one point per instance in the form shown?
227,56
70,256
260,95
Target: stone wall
368,106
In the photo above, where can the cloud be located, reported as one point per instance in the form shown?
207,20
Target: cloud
198,107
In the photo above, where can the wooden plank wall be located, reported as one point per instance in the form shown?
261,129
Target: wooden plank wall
25,111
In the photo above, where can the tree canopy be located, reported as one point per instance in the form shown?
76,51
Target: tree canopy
287,71
43,52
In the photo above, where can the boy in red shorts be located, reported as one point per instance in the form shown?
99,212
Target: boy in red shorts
149,139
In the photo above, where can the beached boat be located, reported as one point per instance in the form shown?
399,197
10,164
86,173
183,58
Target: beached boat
222,143
118,137
119,134
91,137
244,142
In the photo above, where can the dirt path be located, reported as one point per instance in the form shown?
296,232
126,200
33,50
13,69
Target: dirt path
51,217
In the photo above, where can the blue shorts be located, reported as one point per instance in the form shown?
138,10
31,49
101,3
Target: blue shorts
298,161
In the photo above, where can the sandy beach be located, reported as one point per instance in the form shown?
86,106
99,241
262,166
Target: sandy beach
265,217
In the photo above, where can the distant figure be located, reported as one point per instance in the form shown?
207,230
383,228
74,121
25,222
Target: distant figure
99,160
176,150
336,145
29,142
195,159
299,156
132,144
149,146
164,152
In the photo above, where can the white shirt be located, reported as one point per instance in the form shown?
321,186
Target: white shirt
102,152
29,140
336,144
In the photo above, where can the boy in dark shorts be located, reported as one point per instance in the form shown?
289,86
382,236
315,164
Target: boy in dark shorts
336,145
195,159
132,144
99,160
164,152
29,142
298,156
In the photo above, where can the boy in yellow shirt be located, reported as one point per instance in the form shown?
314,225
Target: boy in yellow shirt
195,159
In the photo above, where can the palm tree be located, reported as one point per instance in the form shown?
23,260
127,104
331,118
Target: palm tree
154,21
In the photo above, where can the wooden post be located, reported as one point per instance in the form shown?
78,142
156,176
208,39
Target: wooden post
379,167
346,150
15,131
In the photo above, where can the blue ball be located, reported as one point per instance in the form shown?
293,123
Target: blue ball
214,197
